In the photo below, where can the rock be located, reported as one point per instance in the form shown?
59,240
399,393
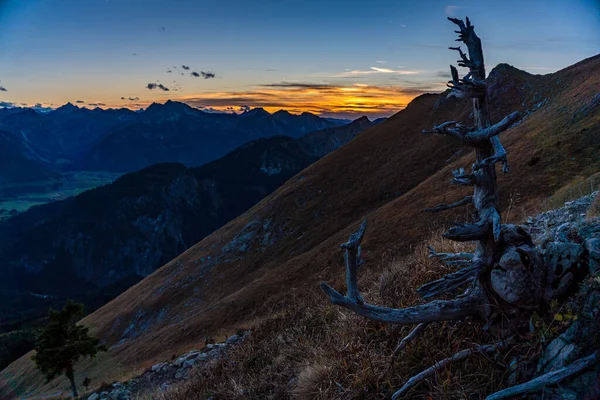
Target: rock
94,396
119,394
181,374
164,387
593,248
159,367
189,356
188,363
233,339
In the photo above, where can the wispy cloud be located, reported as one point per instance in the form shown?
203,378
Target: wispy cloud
380,62
130,98
3,89
186,67
375,70
80,101
195,74
207,75
451,10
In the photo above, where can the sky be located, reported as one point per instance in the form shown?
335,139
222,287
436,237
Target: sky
333,58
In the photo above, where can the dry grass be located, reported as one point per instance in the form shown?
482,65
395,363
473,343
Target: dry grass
577,188
309,349
594,210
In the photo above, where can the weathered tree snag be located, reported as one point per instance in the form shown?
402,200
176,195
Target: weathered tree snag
507,277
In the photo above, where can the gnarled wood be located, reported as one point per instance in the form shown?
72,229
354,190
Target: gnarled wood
439,310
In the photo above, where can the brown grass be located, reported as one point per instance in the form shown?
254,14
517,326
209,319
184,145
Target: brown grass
309,349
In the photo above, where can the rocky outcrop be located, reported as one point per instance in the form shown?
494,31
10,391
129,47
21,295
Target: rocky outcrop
165,374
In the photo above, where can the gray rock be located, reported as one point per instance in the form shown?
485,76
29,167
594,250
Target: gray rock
233,339
159,367
94,396
593,248
181,374
188,363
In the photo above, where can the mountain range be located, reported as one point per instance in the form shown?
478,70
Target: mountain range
121,140
93,246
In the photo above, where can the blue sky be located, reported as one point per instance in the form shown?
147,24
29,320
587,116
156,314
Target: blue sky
271,53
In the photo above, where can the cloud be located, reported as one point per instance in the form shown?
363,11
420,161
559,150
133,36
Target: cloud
375,70
6,104
169,71
3,89
160,86
162,29
80,101
93,104
195,74
347,100
207,75
300,86
380,62
451,10
130,98
443,74
186,67
101,104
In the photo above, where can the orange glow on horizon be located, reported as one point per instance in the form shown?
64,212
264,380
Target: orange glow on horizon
331,100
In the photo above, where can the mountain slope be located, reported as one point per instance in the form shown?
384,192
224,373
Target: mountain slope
97,244
19,163
289,241
67,132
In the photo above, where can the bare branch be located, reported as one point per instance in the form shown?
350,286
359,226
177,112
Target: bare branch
489,132
461,355
548,379
443,207
450,282
460,178
452,128
439,310
449,256
405,341
466,34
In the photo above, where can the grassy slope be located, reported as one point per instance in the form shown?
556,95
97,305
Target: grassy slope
390,173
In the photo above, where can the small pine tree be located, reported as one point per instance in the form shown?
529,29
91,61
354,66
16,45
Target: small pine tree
62,343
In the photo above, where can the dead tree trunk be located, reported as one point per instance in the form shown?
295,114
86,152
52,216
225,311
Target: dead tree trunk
502,269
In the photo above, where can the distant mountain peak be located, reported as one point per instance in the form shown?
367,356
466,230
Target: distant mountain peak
256,111
361,120
67,108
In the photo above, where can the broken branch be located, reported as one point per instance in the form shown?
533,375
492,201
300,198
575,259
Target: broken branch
548,379
443,207
489,132
488,348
